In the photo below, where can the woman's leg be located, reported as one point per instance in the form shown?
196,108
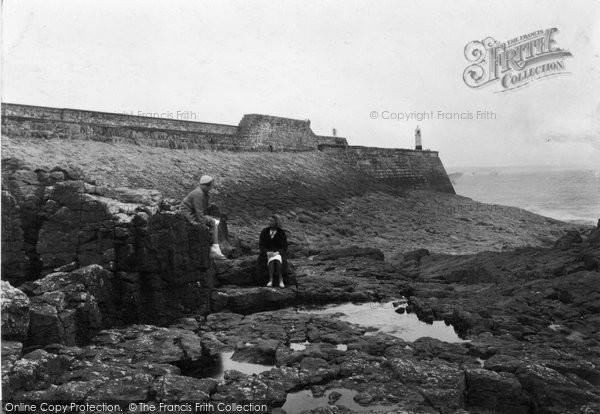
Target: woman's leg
279,273
271,267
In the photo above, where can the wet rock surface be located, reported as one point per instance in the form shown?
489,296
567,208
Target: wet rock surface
15,263
15,312
113,296
533,345
156,262
144,362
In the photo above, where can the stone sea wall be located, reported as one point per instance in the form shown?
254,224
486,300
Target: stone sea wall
50,123
255,133
277,134
397,167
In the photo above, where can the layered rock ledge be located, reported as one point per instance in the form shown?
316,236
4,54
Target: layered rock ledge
109,293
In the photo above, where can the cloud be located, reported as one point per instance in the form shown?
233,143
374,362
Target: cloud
584,130
558,138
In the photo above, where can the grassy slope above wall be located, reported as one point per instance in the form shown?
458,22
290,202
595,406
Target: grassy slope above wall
352,208
248,184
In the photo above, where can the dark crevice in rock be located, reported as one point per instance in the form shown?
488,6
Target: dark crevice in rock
207,366
80,225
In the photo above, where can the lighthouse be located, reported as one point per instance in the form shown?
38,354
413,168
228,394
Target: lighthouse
418,143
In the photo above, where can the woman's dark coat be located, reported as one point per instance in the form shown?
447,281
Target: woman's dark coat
267,244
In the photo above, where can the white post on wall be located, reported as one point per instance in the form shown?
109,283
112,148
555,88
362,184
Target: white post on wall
418,143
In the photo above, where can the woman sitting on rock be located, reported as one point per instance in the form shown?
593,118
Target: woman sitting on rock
273,250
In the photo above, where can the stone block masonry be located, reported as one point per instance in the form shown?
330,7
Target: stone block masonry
255,133
51,123
396,167
277,134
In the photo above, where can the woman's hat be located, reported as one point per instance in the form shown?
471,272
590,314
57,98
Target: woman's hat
278,220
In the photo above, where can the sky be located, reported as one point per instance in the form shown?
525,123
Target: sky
350,65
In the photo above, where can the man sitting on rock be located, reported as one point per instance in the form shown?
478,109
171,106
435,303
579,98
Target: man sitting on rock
195,206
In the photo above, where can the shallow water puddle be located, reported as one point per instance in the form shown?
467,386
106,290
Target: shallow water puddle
296,402
216,366
296,346
384,318
247,368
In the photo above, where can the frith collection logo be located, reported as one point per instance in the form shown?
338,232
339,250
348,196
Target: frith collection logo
514,63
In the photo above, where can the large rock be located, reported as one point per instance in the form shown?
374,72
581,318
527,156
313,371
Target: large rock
442,384
316,371
136,363
254,299
408,263
11,352
160,259
22,203
176,388
268,387
36,370
263,352
550,389
127,195
21,200
570,254
570,238
499,392
15,312
69,307
289,356
434,348
352,252
83,226
236,272
51,322
15,262
97,382
147,343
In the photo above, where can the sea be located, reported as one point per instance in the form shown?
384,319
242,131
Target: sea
571,195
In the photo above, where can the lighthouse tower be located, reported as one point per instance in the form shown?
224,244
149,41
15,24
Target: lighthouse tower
418,143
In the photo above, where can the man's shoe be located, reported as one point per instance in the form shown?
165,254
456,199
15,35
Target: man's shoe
281,285
215,252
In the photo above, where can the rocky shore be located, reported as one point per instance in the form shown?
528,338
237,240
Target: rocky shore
108,293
